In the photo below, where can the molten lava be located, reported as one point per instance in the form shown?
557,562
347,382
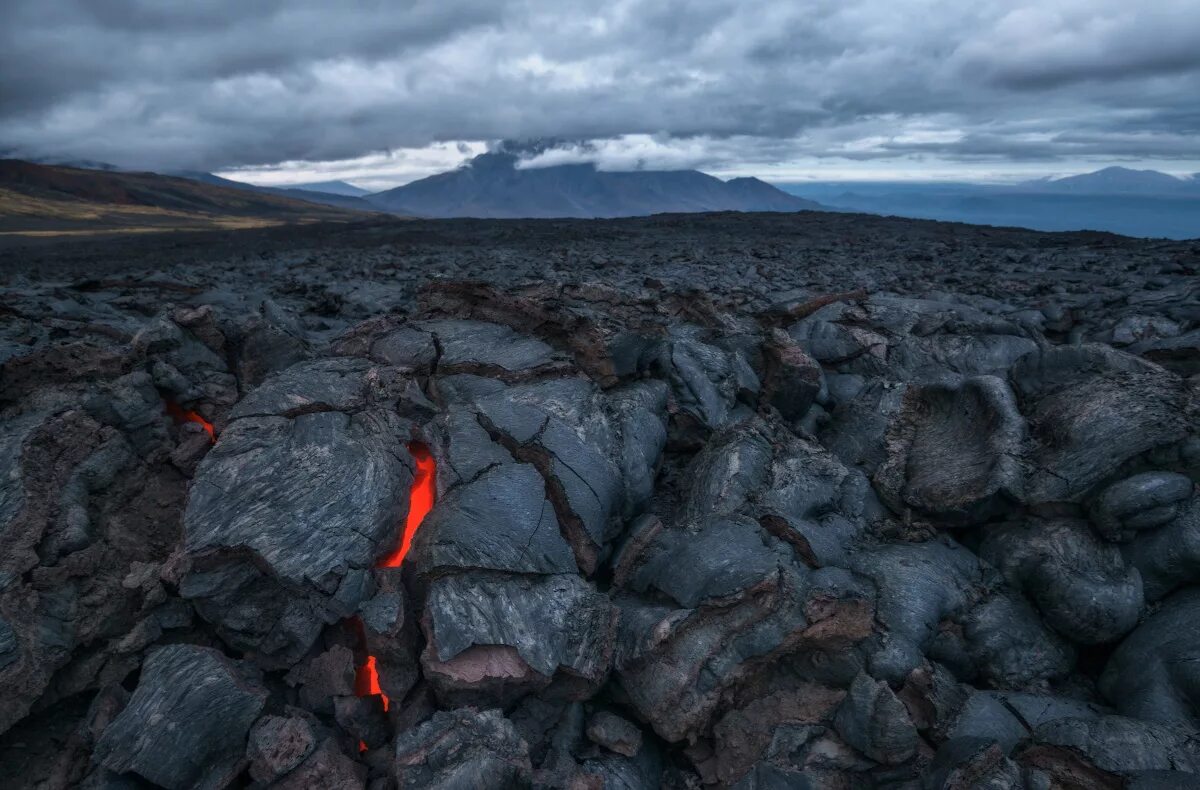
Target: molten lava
420,502
366,681
181,415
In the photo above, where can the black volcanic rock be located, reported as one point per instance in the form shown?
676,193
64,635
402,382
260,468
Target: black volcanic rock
953,452
492,185
292,507
1152,675
733,501
187,721
1079,583
462,748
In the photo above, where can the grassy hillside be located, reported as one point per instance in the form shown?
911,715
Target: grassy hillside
45,200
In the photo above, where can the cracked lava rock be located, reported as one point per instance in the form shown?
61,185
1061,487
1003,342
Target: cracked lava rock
760,502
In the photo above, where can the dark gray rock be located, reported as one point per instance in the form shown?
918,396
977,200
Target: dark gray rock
674,664
1009,717
972,764
767,776
918,586
1180,354
794,380
552,622
723,476
815,503
1090,409
8,644
767,724
1113,744
954,451
501,520
717,558
1168,556
275,557
614,733
277,745
333,384
1138,503
268,340
479,347
326,767
1010,647
639,416
187,721
1078,582
875,723
562,428
462,749
1154,674
705,380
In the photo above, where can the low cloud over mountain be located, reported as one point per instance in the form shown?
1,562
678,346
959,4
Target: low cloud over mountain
721,85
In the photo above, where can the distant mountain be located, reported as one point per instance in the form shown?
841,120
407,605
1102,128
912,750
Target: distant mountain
1112,181
1095,201
332,188
297,193
49,200
491,185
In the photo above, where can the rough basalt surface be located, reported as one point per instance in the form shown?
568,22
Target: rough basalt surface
728,501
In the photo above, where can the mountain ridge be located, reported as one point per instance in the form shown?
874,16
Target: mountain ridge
1115,180
492,185
38,199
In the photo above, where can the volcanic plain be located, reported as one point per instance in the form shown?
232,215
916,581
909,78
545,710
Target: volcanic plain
724,500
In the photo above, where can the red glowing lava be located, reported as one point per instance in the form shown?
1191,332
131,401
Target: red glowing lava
366,681
181,415
420,502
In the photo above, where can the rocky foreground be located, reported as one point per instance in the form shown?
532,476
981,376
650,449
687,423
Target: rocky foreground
735,501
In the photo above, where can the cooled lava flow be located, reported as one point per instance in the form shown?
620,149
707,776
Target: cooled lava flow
420,502
181,415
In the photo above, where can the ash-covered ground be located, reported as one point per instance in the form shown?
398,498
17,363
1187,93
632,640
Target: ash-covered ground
752,501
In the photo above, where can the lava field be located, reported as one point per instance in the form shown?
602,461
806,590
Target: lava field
734,501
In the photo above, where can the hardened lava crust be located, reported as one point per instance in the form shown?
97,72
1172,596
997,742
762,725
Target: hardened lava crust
743,501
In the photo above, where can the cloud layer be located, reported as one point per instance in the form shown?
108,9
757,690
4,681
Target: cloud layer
725,84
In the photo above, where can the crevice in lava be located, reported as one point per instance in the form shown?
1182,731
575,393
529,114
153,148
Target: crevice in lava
181,415
421,497
573,530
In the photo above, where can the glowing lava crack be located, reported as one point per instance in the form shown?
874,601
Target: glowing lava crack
420,502
181,415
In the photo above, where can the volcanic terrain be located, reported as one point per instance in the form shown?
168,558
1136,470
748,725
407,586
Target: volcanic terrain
753,501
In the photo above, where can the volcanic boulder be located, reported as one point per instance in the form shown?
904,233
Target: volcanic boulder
187,721
292,507
953,451
1168,556
1091,409
1080,584
462,748
1153,674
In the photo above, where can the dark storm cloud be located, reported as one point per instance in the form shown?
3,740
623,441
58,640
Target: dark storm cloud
220,84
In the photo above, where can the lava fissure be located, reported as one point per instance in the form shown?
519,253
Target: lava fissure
420,501
181,415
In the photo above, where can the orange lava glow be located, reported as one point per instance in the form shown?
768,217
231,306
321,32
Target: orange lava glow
366,681
181,415
420,502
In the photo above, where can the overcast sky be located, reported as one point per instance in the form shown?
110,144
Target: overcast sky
382,93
